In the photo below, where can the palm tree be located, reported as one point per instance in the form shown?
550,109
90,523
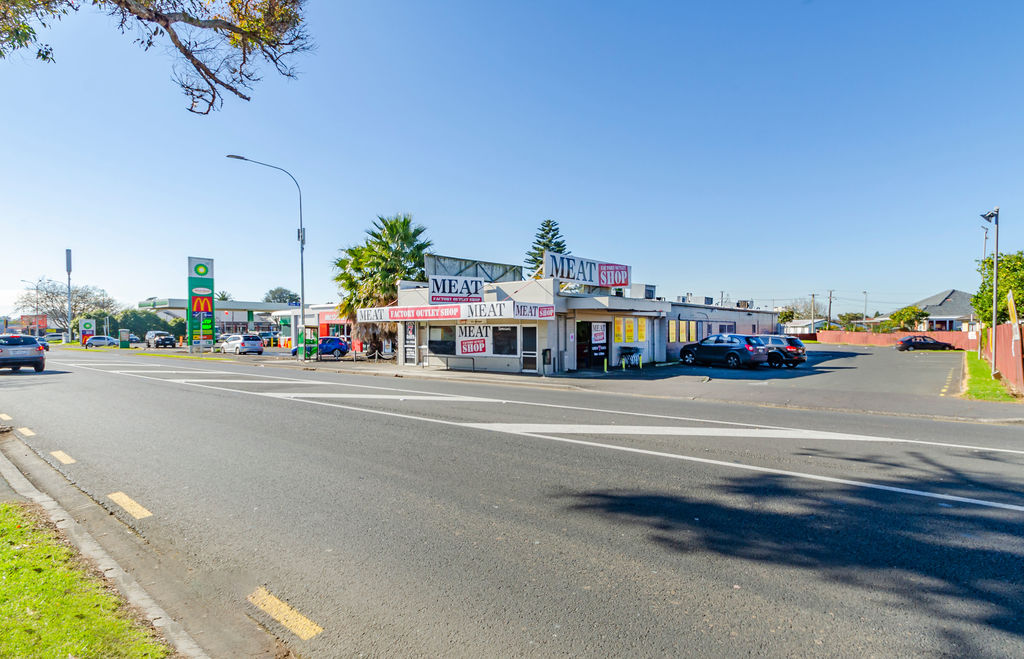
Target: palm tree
368,274
223,296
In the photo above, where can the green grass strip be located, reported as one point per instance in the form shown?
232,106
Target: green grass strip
980,383
50,606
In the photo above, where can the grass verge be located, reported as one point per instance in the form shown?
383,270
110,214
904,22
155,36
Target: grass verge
49,604
980,383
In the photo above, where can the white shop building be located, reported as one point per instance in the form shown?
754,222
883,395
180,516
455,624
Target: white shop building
576,317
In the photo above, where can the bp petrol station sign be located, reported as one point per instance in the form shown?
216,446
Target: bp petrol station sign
86,329
200,302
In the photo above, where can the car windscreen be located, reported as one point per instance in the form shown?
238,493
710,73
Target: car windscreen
793,341
17,341
251,337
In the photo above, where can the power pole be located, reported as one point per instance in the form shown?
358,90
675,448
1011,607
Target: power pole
865,310
812,314
829,319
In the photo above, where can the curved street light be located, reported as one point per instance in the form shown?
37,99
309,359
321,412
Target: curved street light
301,353
992,217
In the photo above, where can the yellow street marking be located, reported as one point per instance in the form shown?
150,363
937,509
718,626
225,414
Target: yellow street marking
296,623
133,509
26,432
4,417
63,457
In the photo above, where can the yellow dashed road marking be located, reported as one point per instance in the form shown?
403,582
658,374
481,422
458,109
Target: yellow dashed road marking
4,417
26,432
296,623
126,502
63,457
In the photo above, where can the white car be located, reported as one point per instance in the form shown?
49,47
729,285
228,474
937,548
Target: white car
241,344
98,341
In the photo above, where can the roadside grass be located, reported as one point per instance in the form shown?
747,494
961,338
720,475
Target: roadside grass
981,385
51,607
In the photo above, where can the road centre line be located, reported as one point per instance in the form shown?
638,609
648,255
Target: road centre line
63,457
455,398
27,432
280,611
662,454
130,506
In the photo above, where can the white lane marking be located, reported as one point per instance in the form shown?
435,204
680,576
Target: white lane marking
133,372
764,433
315,394
661,454
4,417
228,381
27,432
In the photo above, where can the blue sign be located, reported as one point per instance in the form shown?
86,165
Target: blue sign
293,304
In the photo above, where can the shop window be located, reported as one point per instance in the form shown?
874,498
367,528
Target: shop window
442,340
506,340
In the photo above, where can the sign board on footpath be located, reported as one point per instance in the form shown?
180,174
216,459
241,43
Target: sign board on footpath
1012,307
200,302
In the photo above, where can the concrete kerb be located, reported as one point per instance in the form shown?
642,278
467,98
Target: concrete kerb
134,593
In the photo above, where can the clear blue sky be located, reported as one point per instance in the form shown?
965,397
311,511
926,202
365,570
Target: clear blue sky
768,149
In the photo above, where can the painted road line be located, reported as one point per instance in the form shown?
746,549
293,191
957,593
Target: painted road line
294,621
673,456
161,371
398,397
762,433
26,432
63,457
4,417
130,506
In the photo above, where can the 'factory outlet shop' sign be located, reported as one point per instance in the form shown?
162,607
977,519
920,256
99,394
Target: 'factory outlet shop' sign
474,311
585,271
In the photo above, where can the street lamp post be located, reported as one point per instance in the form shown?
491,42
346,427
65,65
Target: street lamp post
993,218
301,351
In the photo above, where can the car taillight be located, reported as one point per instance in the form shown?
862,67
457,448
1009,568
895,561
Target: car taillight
750,347
39,348
792,348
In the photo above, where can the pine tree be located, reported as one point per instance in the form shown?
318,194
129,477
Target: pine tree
549,237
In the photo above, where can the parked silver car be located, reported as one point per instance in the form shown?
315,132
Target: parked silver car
17,350
100,341
242,344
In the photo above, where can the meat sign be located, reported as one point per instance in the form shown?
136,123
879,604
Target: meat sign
585,271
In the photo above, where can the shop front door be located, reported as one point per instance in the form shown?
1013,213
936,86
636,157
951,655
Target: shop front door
529,348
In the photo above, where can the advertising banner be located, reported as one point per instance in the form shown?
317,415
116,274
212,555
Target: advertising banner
641,329
618,330
473,311
671,331
34,321
630,332
473,340
200,302
586,271
598,333
450,289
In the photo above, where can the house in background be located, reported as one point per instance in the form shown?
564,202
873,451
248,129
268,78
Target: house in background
803,326
948,311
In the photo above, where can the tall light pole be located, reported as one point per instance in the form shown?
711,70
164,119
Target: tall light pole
301,352
812,313
35,317
993,218
67,255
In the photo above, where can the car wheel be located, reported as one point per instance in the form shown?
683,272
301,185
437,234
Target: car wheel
39,367
237,351
337,353
260,352
910,348
732,361
15,369
774,360
689,358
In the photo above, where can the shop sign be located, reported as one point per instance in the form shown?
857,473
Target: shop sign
476,310
86,328
598,333
473,340
526,311
34,321
200,301
618,330
586,271
448,290
410,343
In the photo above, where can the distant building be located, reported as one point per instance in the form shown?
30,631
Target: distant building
803,326
949,311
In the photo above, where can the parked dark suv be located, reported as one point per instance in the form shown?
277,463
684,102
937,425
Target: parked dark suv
158,339
784,350
733,350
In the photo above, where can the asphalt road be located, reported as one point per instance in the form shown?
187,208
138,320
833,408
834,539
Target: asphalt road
400,517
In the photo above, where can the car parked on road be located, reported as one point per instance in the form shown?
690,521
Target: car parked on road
921,342
733,350
42,341
783,350
100,341
270,339
159,339
329,345
134,339
242,344
17,350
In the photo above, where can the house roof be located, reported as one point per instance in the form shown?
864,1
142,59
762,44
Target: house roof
947,304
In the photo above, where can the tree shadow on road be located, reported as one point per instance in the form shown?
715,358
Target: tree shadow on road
953,561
